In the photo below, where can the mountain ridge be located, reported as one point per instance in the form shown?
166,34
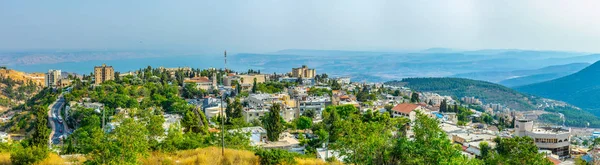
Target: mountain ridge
580,89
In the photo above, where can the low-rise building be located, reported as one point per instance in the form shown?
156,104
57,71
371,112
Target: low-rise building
316,103
258,135
407,110
343,80
554,139
201,83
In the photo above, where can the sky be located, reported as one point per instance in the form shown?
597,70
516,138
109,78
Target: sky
271,25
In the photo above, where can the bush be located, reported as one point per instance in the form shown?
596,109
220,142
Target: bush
28,155
275,157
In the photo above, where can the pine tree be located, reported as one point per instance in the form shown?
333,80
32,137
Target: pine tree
272,122
254,86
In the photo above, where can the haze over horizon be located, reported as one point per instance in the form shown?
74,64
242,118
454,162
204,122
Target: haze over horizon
267,26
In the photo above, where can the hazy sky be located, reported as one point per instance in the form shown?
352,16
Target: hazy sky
264,26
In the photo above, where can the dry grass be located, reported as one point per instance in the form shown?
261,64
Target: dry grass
53,159
212,155
4,158
209,155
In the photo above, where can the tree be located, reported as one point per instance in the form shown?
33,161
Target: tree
122,146
444,106
28,155
254,86
41,134
194,121
430,146
303,122
275,157
516,150
485,149
388,108
309,113
238,109
414,97
397,92
272,122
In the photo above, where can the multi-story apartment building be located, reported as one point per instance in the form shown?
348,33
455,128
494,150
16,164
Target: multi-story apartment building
554,139
52,78
103,73
303,72
317,104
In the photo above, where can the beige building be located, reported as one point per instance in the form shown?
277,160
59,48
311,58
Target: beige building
52,78
245,80
303,72
103,73
201,83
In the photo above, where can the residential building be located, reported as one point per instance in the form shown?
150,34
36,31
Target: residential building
407,110
285,142
303,72
554,139
103,73
200,82
245,79
343,80
52,78
315,103
4,137
64,82
258,135
471,100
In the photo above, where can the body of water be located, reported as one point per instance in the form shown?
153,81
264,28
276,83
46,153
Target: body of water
125,65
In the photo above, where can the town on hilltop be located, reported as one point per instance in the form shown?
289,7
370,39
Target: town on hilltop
295,113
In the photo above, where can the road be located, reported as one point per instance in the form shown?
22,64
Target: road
59,128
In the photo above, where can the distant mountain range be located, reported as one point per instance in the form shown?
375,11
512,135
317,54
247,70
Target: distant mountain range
369,66
525,77
581,89
372,66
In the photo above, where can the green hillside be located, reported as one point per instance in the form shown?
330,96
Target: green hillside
459,87
581,89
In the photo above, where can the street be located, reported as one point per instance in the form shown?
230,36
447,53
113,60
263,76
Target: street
58,121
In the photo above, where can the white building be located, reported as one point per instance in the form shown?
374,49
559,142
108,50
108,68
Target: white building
258,135
316,103
554,139
52,78
343,80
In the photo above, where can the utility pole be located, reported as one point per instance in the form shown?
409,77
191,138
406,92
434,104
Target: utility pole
223,118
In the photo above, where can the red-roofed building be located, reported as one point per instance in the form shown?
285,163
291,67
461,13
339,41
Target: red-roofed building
407,110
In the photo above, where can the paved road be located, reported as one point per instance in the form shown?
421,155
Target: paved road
59,127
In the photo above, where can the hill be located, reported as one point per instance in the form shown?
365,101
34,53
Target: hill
460,87
16,87
525,77
581,89
531,79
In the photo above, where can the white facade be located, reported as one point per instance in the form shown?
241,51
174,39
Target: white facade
52,78
555,139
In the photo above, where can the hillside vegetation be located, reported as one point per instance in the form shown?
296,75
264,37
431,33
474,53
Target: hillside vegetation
460,87
580,89
16,87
